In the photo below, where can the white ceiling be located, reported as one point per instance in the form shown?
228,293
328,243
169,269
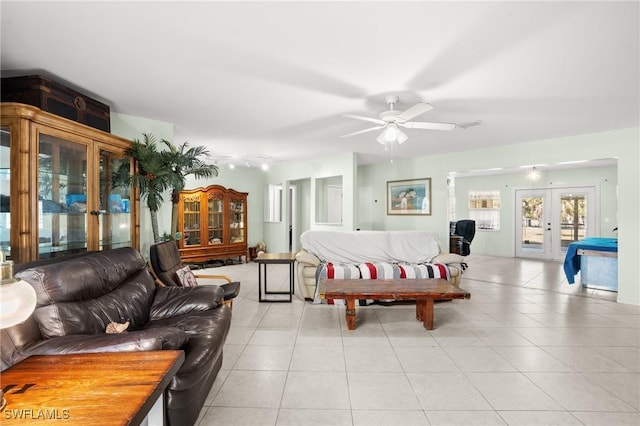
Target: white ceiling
271,79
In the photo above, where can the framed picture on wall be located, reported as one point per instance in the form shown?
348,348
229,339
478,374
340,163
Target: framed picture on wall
409,197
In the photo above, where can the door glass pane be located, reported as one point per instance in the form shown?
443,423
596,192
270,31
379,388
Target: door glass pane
115,202
533,224
191,218
5,192
62,197
215,218
236,221
573,211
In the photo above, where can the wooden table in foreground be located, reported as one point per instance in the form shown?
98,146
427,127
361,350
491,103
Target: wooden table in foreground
423,291
117,388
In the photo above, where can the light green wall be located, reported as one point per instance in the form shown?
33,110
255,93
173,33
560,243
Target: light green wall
364,198
276,234
241,179
621,144
501,242
131,127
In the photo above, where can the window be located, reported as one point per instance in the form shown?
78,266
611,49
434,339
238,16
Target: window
484,208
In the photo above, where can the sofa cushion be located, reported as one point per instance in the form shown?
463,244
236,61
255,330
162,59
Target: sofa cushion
83,295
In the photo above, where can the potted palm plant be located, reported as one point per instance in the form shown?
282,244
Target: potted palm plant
152,176
182,161
158,171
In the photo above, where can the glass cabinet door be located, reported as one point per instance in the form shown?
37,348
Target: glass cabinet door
63,187
5,191
191,220
62,197
215,218
114,229
236,221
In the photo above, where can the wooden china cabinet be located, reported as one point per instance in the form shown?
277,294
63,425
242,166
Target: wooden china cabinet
213,223
60,193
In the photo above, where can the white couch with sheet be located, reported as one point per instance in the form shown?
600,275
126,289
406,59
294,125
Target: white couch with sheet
373,255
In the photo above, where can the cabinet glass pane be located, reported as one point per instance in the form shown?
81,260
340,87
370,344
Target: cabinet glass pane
191,220
236,221
5,192
215,221
115,202
62,197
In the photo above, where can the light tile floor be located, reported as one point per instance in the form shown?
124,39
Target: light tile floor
526,349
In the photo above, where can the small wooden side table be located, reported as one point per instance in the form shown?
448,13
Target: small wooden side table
265,259
115,388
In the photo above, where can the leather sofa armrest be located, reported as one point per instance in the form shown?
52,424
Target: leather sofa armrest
307,258
172,301
141,340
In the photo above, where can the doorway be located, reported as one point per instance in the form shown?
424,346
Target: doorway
548,220
293,219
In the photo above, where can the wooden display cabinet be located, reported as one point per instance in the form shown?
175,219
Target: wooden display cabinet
213,223
60,193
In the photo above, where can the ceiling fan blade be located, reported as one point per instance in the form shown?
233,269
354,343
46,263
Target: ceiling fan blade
361,117
370,129
414,111
428,126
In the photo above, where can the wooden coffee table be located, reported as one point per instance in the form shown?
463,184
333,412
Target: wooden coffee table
423,291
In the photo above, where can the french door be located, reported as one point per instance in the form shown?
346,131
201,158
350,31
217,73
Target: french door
548,220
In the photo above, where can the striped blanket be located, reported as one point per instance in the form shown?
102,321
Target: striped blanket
377,270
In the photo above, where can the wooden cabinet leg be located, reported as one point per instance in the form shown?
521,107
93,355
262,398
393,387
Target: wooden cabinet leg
351,313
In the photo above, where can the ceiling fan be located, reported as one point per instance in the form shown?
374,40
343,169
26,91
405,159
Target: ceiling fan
392,120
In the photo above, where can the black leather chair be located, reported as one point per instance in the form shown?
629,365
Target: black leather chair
164,258
466,229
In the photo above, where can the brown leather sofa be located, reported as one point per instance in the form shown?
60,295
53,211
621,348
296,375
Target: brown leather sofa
78,297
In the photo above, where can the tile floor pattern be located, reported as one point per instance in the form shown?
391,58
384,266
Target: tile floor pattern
526,349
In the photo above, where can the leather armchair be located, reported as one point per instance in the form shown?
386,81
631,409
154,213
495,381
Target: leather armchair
78,297
164,258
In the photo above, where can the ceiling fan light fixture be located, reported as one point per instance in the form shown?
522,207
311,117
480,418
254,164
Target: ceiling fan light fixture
391,135
402,136
391,132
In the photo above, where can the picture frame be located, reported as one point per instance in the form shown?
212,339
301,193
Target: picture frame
409,197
